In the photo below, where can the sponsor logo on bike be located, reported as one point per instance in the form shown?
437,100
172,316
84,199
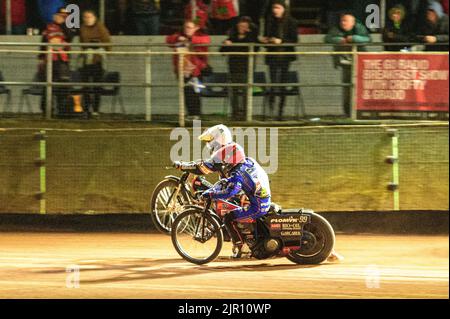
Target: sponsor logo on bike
294,226
285,220
291,219
290,233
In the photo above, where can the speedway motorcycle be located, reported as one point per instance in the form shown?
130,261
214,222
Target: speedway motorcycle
304,237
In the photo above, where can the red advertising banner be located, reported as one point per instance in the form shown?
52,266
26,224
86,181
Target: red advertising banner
403,85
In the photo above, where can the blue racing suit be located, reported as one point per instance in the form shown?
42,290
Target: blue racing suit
250,178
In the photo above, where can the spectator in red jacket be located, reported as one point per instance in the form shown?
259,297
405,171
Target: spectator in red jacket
224,15
60,69
191,40
57,28
197,11
18,16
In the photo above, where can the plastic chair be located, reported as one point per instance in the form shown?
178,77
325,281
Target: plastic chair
114,91
214,90
34,90
291,77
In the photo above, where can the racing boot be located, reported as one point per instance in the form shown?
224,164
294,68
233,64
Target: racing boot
234,235
335,257
237,250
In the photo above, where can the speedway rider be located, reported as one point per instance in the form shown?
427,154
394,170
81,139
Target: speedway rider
239,173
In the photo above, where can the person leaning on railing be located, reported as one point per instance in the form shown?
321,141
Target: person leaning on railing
280,28
245,31
93,59
348,32
435,28
398,29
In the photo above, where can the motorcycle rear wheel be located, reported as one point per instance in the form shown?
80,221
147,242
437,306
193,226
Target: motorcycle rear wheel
317,242
163,213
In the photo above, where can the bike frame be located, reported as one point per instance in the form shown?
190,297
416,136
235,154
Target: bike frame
182,185
218,215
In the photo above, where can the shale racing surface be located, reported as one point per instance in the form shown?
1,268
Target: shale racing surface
44,265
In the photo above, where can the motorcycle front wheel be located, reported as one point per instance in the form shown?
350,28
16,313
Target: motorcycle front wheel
317,242
197,236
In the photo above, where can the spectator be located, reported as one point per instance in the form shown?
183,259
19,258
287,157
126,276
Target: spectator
191,39
47,8
243,32
58,27
348,32
418,9
146,16
397,29
93,31
197,11
60,70
224,14
435,29
280,28
18,16
56,32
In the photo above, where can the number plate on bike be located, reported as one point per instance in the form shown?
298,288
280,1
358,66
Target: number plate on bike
287,226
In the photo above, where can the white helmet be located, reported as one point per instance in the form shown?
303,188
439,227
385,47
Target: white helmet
216,137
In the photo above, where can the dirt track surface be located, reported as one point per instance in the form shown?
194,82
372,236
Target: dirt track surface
33,265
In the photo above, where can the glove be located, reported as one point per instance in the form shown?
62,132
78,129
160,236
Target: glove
177,165
205,196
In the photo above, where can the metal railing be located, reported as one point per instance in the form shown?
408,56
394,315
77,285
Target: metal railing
148,52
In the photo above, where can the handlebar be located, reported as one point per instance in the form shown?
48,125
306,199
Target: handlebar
175,165
185,174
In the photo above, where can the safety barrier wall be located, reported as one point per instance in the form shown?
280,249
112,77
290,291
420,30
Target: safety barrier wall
344,168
